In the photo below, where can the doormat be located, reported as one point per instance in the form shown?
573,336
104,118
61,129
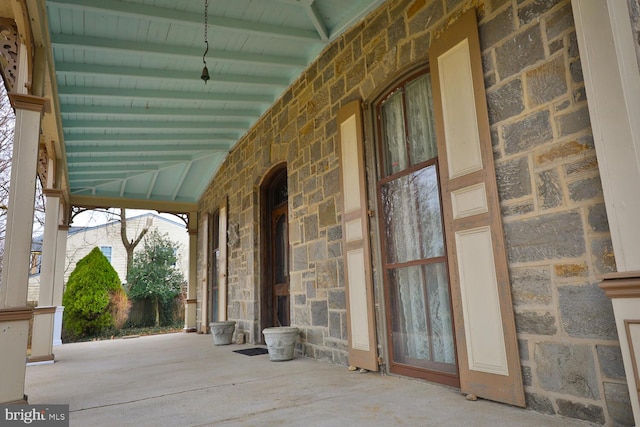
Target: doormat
252,351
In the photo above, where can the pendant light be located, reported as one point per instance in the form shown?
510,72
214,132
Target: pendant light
205,71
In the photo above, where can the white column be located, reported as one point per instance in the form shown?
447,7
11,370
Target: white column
190,303
14,313
58,281
612,83
44,313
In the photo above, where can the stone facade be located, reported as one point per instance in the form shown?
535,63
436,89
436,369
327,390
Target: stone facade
554,218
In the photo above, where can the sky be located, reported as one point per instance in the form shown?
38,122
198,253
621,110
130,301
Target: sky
92,218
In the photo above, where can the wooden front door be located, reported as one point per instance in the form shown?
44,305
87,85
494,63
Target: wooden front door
274,292
280,272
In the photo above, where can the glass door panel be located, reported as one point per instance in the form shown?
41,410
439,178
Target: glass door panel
419,316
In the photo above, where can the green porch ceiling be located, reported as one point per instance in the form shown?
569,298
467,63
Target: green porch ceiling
138,122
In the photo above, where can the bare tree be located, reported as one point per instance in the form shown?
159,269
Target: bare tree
7,123
130,245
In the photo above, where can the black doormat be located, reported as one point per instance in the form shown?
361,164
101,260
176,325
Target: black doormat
252,351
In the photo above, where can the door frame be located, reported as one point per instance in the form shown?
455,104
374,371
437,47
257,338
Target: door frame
266,309
390,87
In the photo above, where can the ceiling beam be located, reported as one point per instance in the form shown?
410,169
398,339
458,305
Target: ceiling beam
74,68
185,172
97,92
97,170
155,124
150,137
103,148
74,159
181,52
179,17
314,15
132,203
211,113
365,7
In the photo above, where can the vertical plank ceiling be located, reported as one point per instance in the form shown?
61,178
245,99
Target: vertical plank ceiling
138,121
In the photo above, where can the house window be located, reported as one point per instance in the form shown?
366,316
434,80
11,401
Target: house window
106,251
414,257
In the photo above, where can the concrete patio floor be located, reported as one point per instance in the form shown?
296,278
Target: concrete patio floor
184,380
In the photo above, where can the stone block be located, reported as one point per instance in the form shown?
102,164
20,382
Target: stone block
533,10
327,274
310,288
505,101
523,349
573,50
563,151
575,69
618,404
573,122
595,322
337,299
530,286
583,165
523,135
539,403
567,369
546,82
319,313
513,179
422,19
315,336
555,46
318,250
487,62
571,270
552,236
396,31
610,359
549,189
521,208
300,258
585,189
334,233
519,52
300,299
559,22
532,322
335,329
334,250
310,226
301,316
331,182
526,376
497,28
327,213
603,256
591,413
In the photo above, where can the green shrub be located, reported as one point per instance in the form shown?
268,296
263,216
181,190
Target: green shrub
93,294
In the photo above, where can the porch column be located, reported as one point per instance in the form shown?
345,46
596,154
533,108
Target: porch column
14,313
58,279
612,83
190,304
44,313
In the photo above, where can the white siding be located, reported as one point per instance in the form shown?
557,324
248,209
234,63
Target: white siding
80,243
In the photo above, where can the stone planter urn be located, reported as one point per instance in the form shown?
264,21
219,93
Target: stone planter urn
281,342
222,332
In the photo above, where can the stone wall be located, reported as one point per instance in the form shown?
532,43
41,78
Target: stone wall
554,217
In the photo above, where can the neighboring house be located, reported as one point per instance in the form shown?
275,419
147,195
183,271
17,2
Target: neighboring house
81,240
